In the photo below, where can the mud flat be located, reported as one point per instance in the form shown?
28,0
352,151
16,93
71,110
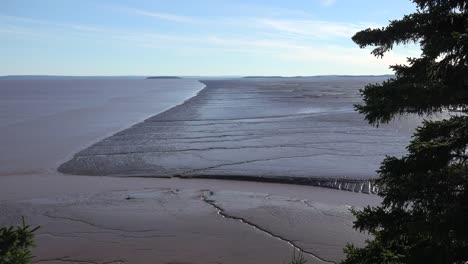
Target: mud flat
280,130
294,130
87,219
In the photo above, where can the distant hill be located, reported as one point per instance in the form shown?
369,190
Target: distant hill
322,76
254,77
351,76
63,77
163,77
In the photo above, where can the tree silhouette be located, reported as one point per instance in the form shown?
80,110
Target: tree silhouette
16,244
424,214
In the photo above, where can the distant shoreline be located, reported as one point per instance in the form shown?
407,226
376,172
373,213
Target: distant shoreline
320,76
69,77
65,77
162,77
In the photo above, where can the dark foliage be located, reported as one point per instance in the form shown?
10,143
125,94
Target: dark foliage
298,258
424,214
16,244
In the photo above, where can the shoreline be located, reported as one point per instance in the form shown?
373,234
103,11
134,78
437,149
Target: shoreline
366,186
90,143
56,132
84,146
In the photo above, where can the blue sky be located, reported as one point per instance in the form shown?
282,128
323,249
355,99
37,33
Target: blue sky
197,37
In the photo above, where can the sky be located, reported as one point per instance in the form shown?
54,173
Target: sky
194,37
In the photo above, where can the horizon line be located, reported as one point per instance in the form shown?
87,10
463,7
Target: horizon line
142,76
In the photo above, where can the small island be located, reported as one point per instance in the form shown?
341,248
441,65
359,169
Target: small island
163,77
263,77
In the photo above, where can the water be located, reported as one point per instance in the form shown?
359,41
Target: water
44,122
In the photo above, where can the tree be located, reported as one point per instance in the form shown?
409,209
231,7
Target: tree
424,214
16,244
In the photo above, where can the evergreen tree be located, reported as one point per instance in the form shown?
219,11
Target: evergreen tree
16,244
424,214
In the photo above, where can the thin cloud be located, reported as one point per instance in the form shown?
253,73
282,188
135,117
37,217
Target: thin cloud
166,16
26,20
312,28
287,39
22,19
285,50
328,2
